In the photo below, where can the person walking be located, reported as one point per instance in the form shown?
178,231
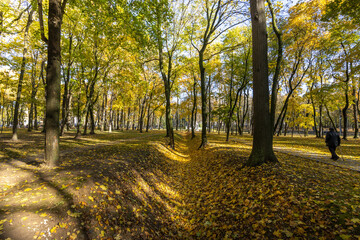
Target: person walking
332,140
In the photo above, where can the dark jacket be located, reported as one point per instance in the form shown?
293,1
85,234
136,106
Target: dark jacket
332,139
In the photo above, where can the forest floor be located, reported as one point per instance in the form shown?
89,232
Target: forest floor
127,185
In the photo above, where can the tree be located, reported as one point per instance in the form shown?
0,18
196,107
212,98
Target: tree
262,148
217,18
239,61
52,149
21,76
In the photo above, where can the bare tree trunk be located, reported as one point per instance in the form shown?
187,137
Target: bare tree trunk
133,121
275,82
317,133
67,92
355,111
193,114
34,87
245,110
321,130
86,122
160,122
36,126
282,119
111,113
92,120
53,88
118,120
209,103
2,112
128,119
262,149
21,78
203,98
103,111
78,116
141,114
331,120
148,113
344,110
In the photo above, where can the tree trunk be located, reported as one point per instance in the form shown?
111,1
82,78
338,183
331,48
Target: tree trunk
167,86
21,78
321,130
148,113
67,92
275,82
31,114
78,116
262,149
142,114
133,120
344,111
86,122
203,98
53,84
209,103
2,112
111,113
282,120
355,111
118,119
33,95
331,120
246,110
193,110
314,110
102,119
36,126
128,119
160,122
92,120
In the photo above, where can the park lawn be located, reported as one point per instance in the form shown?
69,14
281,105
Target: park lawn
140,189
31,144
349,148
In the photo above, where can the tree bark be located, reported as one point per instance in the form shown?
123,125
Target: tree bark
78,116
34,87
142,114
203,97
331,120
67,92
275,82
193,122
317,133
148,112
167,85
128,119
355,114
21,78
209,103
111,112
36,126
262,149
53,84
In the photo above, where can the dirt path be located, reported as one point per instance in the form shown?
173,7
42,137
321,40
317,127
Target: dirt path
344,162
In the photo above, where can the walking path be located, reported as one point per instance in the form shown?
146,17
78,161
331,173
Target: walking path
341,162
347,163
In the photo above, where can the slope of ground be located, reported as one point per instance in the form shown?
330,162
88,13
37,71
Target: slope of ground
140,189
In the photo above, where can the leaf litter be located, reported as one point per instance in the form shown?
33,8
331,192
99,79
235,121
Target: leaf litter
141,189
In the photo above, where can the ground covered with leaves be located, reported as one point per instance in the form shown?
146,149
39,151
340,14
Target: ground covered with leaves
132,186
